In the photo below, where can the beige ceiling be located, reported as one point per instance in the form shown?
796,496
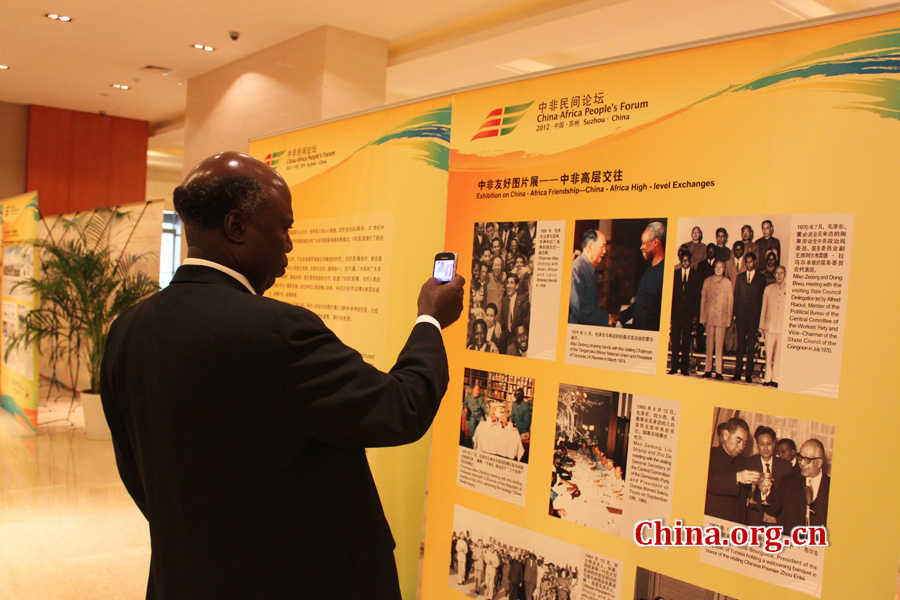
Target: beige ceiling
434,46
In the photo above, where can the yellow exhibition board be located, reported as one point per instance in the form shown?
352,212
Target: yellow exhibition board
782,146
678,317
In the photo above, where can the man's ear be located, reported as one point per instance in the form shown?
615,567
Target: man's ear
235,226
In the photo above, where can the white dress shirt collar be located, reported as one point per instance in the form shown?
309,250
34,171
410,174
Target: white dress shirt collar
214,265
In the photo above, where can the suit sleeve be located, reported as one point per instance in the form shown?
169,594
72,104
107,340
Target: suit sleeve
722,477
332,395
582,308
125,458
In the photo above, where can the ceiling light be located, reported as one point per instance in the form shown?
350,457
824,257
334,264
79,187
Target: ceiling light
4,67
803,9
120,86
524,65
202,47
61,18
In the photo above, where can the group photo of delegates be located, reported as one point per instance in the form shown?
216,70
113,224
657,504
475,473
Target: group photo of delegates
501,287
496,414
650,585
728,300
486,567
766,470
587,481
617,273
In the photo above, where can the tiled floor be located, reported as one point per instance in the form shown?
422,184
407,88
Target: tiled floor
68,529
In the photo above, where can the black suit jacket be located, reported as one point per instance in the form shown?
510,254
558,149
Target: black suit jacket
521,311
686,297
240,425
723,492
788,502
780,469
748,300
705,269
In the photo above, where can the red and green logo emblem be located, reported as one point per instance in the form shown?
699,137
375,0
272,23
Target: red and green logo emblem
502,121
273,159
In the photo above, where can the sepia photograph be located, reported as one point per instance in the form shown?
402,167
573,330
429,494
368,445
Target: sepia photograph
768,470
501,287
587,482
617,273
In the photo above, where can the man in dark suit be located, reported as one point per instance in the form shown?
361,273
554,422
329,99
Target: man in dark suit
723,252
481,242
728,472
771,467
786,449
749,288
516,575
240,423
707,267
685,312
802,498
515,307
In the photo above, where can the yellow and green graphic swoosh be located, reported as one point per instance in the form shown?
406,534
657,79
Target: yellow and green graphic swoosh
429,133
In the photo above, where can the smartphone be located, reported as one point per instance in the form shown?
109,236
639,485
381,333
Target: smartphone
445,266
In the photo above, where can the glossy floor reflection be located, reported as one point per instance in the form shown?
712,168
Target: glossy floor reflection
68,529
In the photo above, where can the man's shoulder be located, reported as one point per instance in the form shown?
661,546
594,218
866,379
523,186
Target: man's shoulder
794,479
217,300
779,464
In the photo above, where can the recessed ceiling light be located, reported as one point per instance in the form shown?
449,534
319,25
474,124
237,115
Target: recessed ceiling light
120,86
4,67
202,47
804,9
524,65
61,18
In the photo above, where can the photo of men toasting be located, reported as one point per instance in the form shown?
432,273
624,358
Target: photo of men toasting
767,470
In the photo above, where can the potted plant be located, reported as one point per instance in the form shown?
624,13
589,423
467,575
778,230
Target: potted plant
84,284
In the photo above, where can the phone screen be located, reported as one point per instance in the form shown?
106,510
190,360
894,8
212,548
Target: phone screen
445,269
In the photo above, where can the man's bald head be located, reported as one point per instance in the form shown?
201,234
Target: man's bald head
237,212
224,182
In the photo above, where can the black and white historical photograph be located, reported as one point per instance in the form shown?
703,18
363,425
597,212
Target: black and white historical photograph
494,560
502,287
729,299
768,470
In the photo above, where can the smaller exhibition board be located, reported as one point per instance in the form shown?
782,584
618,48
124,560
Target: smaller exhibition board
19,370
369,199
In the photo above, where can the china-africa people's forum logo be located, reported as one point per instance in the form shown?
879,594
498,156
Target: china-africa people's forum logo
502,121
273,159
